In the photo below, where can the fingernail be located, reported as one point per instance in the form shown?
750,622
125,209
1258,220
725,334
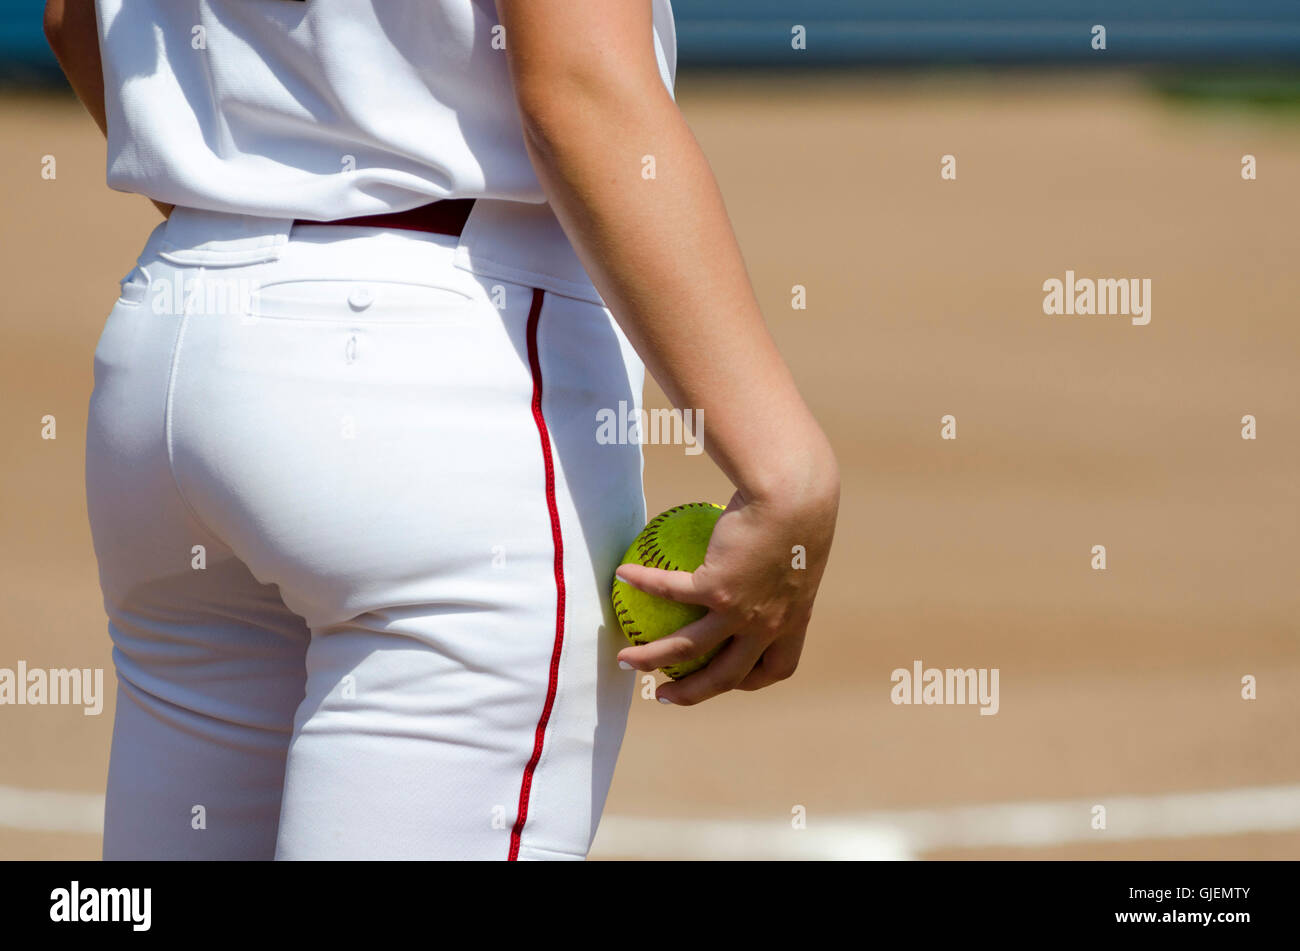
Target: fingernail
664,700
620,577
624,665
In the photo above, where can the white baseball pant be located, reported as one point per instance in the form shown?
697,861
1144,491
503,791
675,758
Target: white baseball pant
355,535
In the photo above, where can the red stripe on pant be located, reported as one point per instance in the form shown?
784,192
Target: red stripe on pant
535,363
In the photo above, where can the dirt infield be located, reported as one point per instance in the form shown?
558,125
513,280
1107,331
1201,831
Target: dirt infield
924,299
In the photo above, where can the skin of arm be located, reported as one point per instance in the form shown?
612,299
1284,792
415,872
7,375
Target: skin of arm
662,253
71,31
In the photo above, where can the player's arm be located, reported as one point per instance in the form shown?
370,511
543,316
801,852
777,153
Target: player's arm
662,253
73,35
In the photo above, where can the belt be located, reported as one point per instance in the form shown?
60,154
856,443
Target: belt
440,217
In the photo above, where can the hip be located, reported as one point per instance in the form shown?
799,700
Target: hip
356,406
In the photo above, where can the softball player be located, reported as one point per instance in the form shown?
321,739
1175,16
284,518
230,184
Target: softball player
354,527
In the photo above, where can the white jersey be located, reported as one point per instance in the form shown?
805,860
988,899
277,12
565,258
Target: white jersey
329,109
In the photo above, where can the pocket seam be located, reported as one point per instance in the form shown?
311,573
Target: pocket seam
126,282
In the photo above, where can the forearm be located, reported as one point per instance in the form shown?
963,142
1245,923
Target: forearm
663,255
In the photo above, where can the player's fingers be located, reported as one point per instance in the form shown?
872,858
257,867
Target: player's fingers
674,585
777,663
694,640
725,672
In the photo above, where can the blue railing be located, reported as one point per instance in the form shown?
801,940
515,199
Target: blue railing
849,32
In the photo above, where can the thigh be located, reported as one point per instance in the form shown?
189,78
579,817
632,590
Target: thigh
209,661
474,708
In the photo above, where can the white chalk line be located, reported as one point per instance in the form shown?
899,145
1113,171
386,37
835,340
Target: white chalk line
886,834
38,810
904,834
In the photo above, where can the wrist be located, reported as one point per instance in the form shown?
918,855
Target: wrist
804,479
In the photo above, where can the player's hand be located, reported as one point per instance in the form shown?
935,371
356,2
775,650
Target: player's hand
758,596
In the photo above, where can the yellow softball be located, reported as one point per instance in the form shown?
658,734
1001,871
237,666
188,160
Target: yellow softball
675,540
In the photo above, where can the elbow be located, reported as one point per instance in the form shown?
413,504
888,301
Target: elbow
548,124
552,107
558,107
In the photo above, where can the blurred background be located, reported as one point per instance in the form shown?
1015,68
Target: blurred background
1119,688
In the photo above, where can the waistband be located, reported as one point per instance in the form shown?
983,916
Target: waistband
511,241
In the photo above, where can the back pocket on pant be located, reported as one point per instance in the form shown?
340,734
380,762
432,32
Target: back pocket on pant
349,301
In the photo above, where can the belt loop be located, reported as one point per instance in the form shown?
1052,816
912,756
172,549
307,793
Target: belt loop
195,237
